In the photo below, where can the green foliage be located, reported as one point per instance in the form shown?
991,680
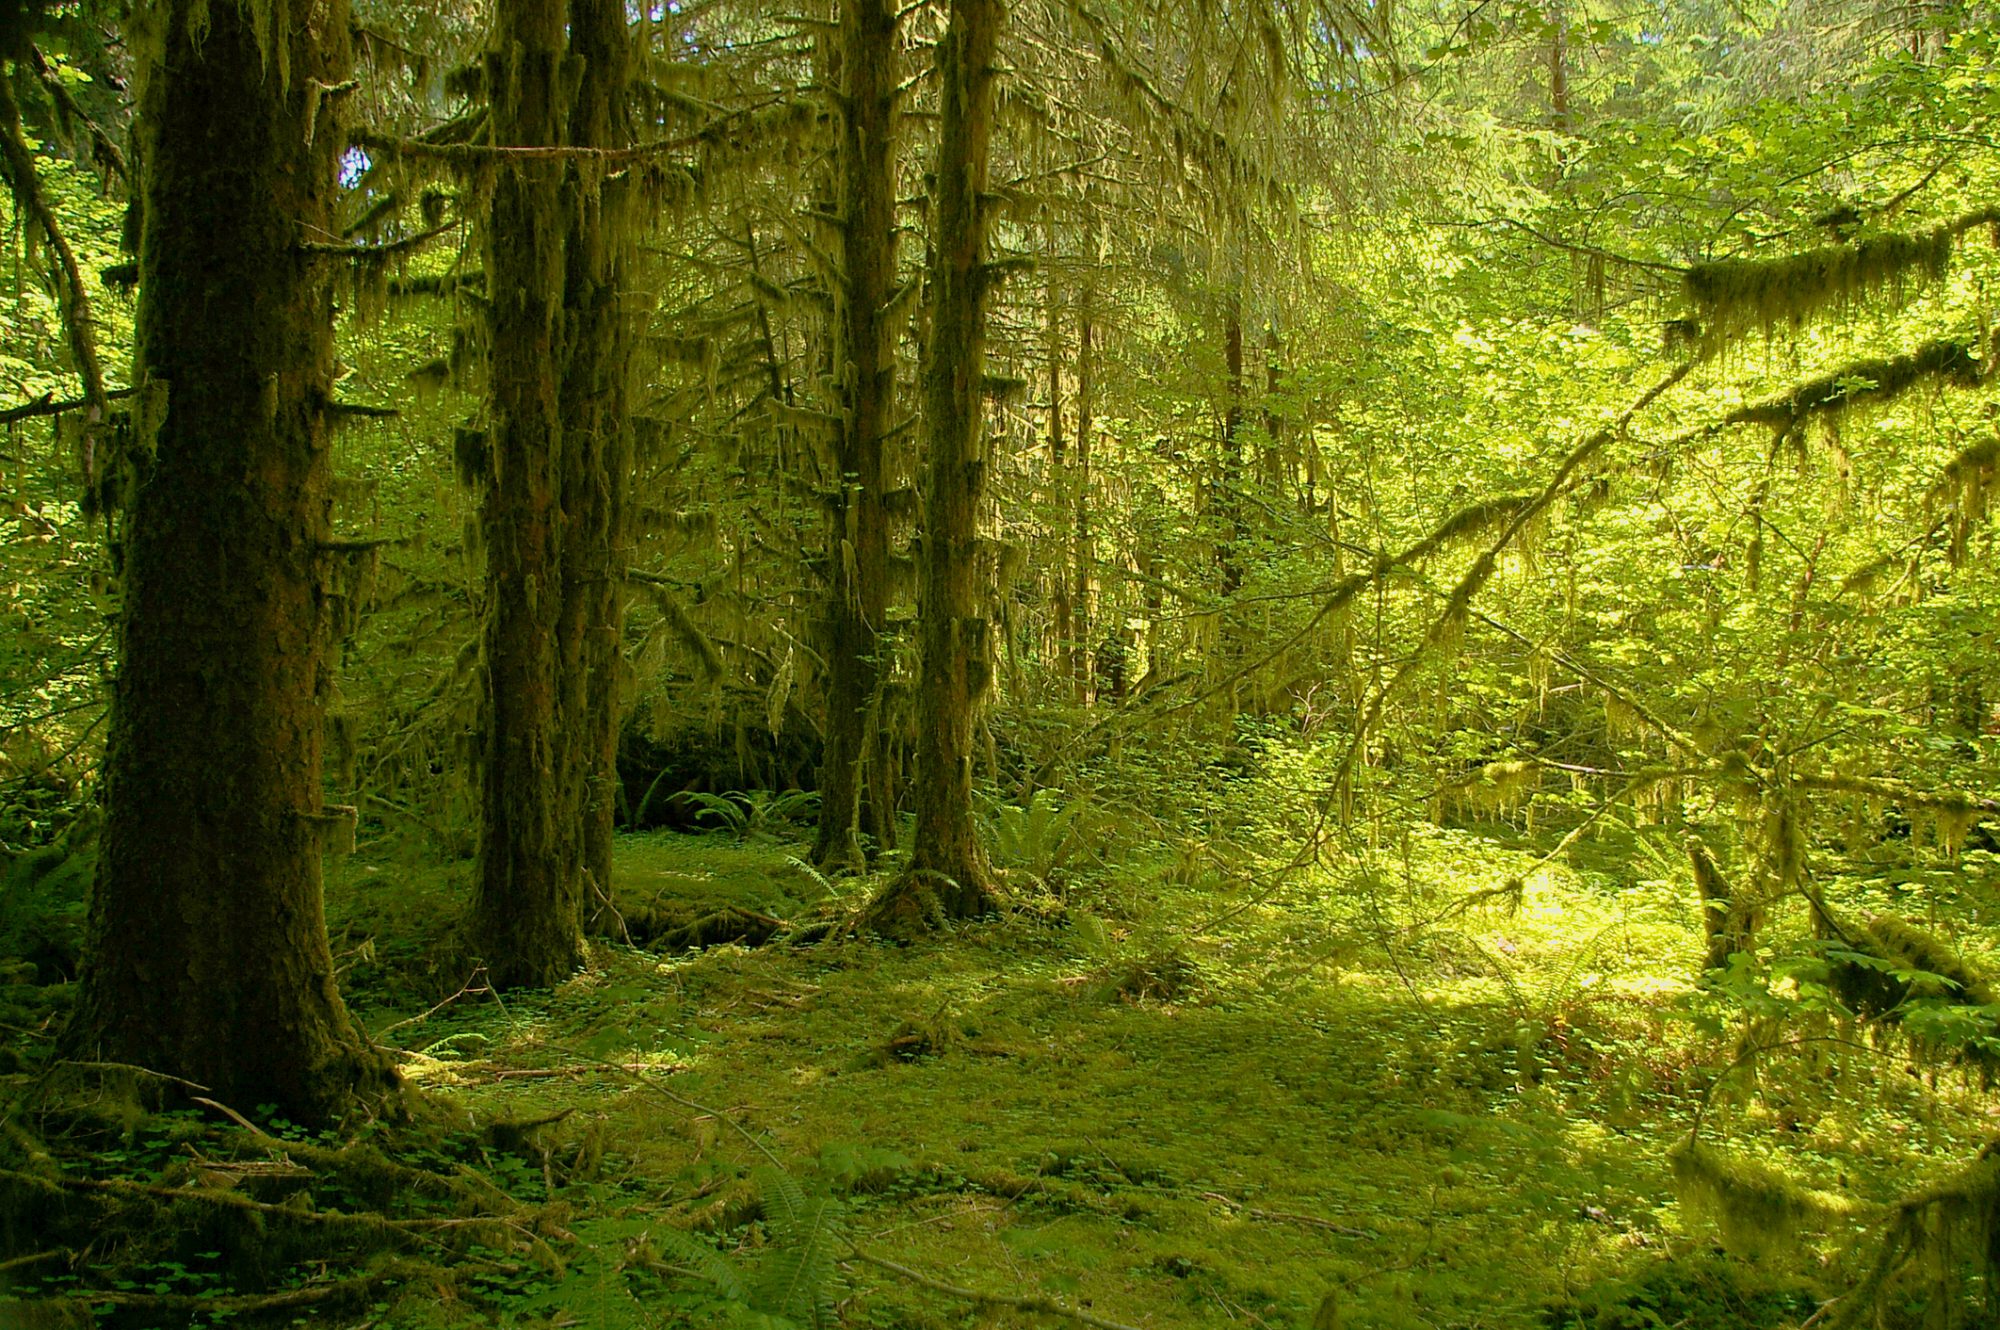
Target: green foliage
1041,837
44,894
754,814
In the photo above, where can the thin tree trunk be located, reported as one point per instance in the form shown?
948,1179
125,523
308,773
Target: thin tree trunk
207,949
526,921
597,447
948,876
1083,553
865,365
1060,479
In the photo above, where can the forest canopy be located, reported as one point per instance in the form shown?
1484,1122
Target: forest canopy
1123,662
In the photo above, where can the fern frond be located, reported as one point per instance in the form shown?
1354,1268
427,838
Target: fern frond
797,1278
784,1198
702,1261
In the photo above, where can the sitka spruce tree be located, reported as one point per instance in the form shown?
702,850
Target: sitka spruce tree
948,875
207,947
526,921
865,359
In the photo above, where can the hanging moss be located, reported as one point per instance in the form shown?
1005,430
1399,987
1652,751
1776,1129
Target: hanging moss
1729,923
1937,1243
1756,1209
1965,490
1735,296
1874,382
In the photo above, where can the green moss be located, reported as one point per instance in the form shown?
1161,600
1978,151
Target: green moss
1735,296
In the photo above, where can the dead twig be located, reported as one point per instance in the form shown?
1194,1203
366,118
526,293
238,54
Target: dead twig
1029,1303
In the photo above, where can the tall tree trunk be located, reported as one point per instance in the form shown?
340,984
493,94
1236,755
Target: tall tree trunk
1229,492
948,876
207,949
1060,479
597,450
865,368
526,921
1083,553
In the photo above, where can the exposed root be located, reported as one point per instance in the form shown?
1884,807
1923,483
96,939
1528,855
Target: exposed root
921,901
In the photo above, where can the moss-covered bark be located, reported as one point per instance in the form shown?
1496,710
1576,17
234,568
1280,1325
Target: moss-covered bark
597,451
865,366
208,956
526,918
948,876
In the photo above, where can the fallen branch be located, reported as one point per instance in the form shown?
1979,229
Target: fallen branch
1036,1304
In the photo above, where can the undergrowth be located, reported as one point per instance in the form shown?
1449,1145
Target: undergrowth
1427,1084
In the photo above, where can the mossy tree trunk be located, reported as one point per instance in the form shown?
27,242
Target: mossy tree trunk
207,946
865,369
526,921
597,452
1083,547
948,875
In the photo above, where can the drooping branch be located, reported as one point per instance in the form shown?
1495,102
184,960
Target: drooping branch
101,145
334,249
1735,296
71,294
1874,381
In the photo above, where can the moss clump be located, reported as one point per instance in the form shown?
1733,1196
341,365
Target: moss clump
1735,296
1757,1210
1872,382
1940,1243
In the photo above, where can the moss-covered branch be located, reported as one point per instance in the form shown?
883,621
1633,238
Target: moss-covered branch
71,294
1874,381
1737,295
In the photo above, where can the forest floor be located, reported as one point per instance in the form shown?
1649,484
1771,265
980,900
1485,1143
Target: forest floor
1405,1093
1424,1099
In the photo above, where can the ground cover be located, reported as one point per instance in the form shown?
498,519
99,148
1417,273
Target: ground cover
1430,1083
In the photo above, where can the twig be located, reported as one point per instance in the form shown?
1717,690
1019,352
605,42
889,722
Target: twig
45,406
35,1258
1287,1217
1032,1303
334,249
471,986
129,1066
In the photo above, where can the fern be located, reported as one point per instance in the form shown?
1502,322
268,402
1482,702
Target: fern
797,1277
1038,837
704,1262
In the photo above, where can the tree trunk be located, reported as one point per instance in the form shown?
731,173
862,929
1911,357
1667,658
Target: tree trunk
1083,553
526,921
597,450
865,368
948,876
1060,479
208,956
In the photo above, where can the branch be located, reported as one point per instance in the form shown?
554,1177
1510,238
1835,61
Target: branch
1588,251
43,406
1040,1305
71,293
101,145
337,250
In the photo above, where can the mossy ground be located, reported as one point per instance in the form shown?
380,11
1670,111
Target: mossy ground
1156,1113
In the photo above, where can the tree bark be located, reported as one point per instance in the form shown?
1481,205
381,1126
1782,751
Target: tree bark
865,369
1083,551
208,957
948,875
597,452
526,920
